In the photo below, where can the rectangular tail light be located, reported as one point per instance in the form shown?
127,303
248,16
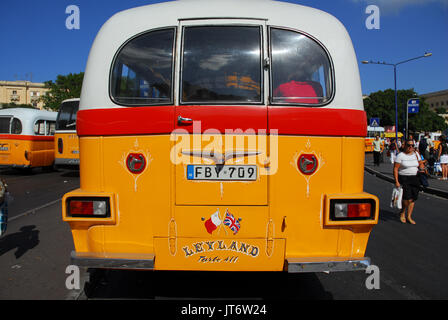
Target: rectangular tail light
88,207
352,209
60,145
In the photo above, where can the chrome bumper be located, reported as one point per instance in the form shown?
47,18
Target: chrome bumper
66,162
146,262
113,261
295,265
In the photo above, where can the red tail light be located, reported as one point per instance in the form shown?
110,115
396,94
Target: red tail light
358,210
60,145
81,208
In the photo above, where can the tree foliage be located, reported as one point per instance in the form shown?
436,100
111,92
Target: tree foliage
65,87
381,104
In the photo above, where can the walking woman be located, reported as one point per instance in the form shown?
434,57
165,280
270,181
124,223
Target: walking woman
405,173
443,157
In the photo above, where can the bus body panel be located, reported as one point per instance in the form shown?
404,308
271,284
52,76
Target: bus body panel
70,148
294,221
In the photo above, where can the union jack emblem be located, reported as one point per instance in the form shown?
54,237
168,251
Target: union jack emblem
231,222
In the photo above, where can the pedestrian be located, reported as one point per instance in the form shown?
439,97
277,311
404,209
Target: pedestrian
443,157
406,167
422,146
429,148
377,149
393,150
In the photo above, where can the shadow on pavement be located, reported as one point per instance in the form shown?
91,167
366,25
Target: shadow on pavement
168,285
27,238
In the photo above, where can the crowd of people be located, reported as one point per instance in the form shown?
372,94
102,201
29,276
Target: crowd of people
434,155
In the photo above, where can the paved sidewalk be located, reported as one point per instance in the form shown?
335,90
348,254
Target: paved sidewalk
385,171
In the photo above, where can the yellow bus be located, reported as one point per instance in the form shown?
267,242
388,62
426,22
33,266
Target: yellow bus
27,138
65,138
219,139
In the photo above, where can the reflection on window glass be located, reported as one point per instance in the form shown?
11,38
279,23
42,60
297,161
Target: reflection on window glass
221,64
39,127
16,126
142,73
301,72
5,123
66,119
51,125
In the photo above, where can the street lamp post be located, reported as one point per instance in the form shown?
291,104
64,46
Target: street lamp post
427,54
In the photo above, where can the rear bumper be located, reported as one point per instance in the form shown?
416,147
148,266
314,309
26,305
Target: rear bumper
66,162
15,166
331,264
146,262
113,261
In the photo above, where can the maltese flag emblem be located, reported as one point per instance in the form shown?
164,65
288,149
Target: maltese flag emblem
213,223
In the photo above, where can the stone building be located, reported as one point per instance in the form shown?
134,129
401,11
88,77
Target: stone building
438,100
22,92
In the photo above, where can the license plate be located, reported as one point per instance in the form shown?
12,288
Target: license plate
227,173
4,148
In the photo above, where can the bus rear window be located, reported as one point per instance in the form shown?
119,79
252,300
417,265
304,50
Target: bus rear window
142,71
5,123
16,126
301,69
66,119
221,64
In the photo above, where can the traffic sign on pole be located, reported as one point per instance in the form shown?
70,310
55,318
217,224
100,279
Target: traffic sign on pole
413,105
374,122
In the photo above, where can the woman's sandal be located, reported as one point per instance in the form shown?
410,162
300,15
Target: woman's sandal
411,221
402,219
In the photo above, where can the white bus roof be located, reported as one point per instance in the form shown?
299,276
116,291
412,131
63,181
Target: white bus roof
127,24
28,117
71,100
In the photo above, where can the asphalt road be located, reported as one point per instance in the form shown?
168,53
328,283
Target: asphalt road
35,252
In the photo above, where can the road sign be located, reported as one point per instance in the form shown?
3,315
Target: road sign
374,122
413,105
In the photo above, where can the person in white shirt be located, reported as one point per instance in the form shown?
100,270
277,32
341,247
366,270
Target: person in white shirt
377,149
405,173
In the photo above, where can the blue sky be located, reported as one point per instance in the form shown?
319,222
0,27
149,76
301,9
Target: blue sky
37,45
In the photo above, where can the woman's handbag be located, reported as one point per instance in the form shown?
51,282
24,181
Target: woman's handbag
422,175
397,196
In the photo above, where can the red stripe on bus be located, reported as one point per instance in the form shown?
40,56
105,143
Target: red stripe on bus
125,121
26,137
317,121
163,120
